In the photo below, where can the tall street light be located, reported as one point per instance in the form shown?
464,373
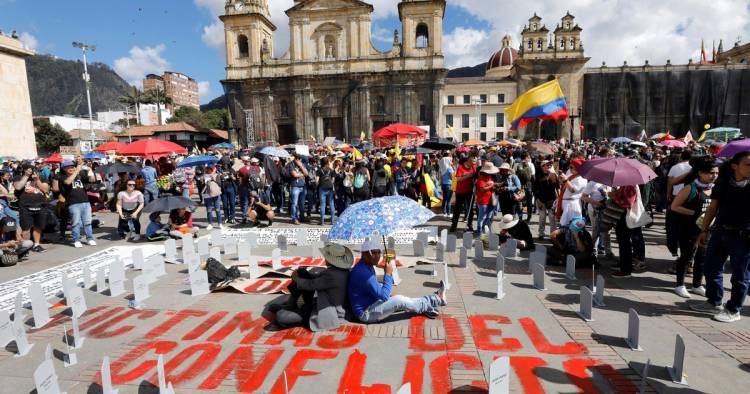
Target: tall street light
87,80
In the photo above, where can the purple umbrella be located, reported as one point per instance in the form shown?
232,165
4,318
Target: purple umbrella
617,172
735,147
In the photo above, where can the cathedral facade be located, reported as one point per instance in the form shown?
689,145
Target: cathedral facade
331,82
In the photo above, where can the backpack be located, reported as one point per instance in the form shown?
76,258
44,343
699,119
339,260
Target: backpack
326,178
381,180
218,273
254,180
8,258
359,181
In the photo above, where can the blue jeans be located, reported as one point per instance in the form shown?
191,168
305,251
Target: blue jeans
80,216
297,196
229,201
244,200
212,205
483,217
6,211
150,192
326,197
398,303
723,244
447,194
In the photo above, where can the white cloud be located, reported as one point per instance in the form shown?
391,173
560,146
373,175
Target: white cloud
215,7
141,61
28,40
213,35
617,31
204,89
465,46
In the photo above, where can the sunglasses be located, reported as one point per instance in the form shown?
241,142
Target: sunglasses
131,184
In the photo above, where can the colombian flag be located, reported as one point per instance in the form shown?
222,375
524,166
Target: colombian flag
544,102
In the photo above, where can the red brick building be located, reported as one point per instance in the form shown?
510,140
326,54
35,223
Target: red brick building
182,89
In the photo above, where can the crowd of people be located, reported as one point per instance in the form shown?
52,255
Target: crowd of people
492,190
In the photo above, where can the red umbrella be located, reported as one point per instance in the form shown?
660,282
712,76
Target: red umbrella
404,134
151,148
109,146
53,158
673,143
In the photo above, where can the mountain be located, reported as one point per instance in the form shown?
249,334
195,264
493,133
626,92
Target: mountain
56,86
217,103
463,72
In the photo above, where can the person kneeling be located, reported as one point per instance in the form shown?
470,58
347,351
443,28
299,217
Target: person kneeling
326,311
372,302
259,209
510,227
572,240
181,222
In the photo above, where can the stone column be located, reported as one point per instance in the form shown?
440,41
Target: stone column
437,108
364,111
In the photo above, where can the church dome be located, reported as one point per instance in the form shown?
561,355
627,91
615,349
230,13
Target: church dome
505,57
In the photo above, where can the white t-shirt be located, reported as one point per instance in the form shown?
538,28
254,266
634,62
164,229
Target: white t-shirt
677,171
579,183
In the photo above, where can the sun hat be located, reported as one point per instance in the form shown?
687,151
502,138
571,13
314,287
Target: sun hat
338,256
508,221
489,168
505,166
254,160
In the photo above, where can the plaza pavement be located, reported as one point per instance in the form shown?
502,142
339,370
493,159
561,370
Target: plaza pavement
220,342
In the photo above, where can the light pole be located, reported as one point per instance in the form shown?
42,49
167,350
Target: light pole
87,80
478,106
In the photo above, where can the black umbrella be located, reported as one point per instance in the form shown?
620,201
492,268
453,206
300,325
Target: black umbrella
438,144
168,203
418,150
117,168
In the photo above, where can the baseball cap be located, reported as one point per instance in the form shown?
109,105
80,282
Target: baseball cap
67,163
370,245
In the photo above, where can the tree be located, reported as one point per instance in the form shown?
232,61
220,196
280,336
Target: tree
133,99
49,137
216,119
158,97
188,115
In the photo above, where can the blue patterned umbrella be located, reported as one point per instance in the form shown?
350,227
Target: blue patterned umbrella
274,151
382,216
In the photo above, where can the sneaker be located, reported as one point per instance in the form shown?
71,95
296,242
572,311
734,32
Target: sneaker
620,274
77,244
296,222
136,238
682,291
700,290
38,249
639,266
726,316
91,242
706,307
431,314
221,227
441,293
209,227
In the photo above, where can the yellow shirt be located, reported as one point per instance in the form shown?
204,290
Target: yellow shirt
388,170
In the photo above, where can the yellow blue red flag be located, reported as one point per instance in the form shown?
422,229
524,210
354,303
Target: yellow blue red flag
544,102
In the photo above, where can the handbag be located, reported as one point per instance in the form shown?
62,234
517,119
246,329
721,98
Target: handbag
637,216
8,258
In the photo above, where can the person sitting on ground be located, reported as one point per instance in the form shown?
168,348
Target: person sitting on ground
323,293
156,230
12,250
572,240
181,222
259,209
372,302
512,227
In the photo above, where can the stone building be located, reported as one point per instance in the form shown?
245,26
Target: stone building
331,81
740,53
16,125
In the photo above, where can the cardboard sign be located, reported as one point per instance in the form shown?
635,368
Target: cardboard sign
230,246
170,251
301,237
199,283
444,236
634,328
6,329
137,258
276,259
281,242
69,151
77,302
107,377
202,247
253,271
187,244
45,378
252,240
193,262
468,240
450,243
586,304
22,342
599,294
494,241
140,288
244,252
215,254
537,271
500,293
302,150
500,376
418,247
101,280
216,237
38,305
462,257
676,371
77,337
116,278
87,282
439,252
570,267
478,249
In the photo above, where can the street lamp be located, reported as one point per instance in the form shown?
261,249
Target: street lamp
87,80
478,106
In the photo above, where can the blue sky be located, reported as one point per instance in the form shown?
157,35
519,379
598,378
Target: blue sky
136,37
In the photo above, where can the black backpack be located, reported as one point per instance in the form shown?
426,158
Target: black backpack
254,180
218,273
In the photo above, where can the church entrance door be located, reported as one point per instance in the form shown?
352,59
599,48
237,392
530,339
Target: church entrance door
548,130
334,127
287,134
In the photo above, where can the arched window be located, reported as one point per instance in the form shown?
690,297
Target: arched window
284,109
539,44
572,44
533,26
567,25
331,45
242,46
423,36
562,43
531,44
380,105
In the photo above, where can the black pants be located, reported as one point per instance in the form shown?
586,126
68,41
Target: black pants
626,247
297,316
278,195
529,203
122,224
462,205
689,252
671,224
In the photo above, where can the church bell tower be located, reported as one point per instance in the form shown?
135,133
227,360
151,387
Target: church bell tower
248,32
422,26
